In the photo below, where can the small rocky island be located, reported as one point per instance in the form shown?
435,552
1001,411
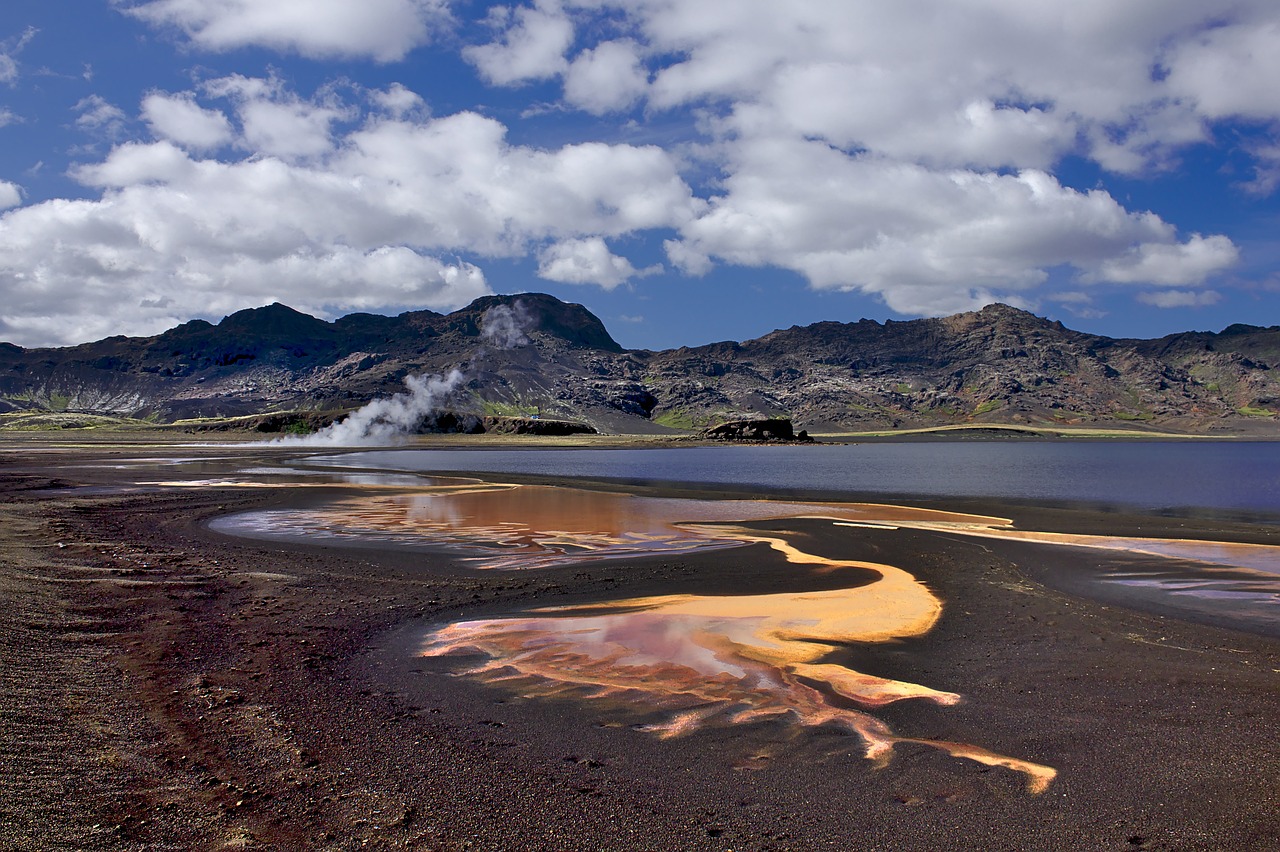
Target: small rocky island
771,430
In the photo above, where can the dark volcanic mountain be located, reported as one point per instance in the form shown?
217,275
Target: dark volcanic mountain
535,354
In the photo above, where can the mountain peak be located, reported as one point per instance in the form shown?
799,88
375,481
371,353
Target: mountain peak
568,321
274,320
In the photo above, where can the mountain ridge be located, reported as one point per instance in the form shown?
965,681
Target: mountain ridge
532,354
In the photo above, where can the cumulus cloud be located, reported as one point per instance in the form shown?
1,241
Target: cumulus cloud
928,241
383,30
587,261
872,147
10,195
180,119
1180,298
903,150
375,220
276,121
531,47
977,83
1170,263
1224,69
606,78
398,100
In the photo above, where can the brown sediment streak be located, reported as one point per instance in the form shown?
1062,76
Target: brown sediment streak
699,660
702,659
364,482
1038,777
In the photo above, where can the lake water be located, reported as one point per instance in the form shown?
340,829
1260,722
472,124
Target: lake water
533,526
1236,476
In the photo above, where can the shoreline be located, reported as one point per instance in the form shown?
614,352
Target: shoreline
228,691
994,431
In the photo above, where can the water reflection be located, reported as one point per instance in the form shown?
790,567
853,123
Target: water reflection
519,527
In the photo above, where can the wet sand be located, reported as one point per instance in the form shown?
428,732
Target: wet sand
168,686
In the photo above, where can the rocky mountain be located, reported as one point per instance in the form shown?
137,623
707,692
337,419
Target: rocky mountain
535,355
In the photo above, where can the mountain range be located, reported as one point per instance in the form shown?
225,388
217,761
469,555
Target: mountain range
533,354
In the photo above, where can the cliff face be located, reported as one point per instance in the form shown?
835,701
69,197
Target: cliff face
533,354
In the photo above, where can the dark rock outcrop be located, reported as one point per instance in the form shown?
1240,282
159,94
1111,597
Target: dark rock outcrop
771,429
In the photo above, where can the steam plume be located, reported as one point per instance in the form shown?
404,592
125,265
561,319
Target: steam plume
504,325
383,421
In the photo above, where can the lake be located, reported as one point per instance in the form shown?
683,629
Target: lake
1153,475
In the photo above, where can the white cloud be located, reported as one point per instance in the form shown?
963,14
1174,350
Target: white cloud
148,256
606,78
1226,70
587,261
370,223
687,259
532,47
100,117
455,182
981,83
909,152
180,119
1180,298
927,241
276,121
1175,264
398,100
138,164
1266,170
383,30
9,50
10,195
984,84
904,150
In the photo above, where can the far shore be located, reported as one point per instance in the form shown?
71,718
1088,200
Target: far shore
135,434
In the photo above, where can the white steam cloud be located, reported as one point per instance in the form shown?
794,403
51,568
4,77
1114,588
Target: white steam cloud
384,421
505,326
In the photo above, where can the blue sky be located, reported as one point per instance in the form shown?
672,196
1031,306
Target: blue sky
689,171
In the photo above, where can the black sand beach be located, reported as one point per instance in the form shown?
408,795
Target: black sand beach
167,686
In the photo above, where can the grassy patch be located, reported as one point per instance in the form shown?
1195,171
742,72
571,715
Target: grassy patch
1132,415
988,406
508,409
677,418
44,421
1250,411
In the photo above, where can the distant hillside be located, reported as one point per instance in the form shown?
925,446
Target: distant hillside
533,354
